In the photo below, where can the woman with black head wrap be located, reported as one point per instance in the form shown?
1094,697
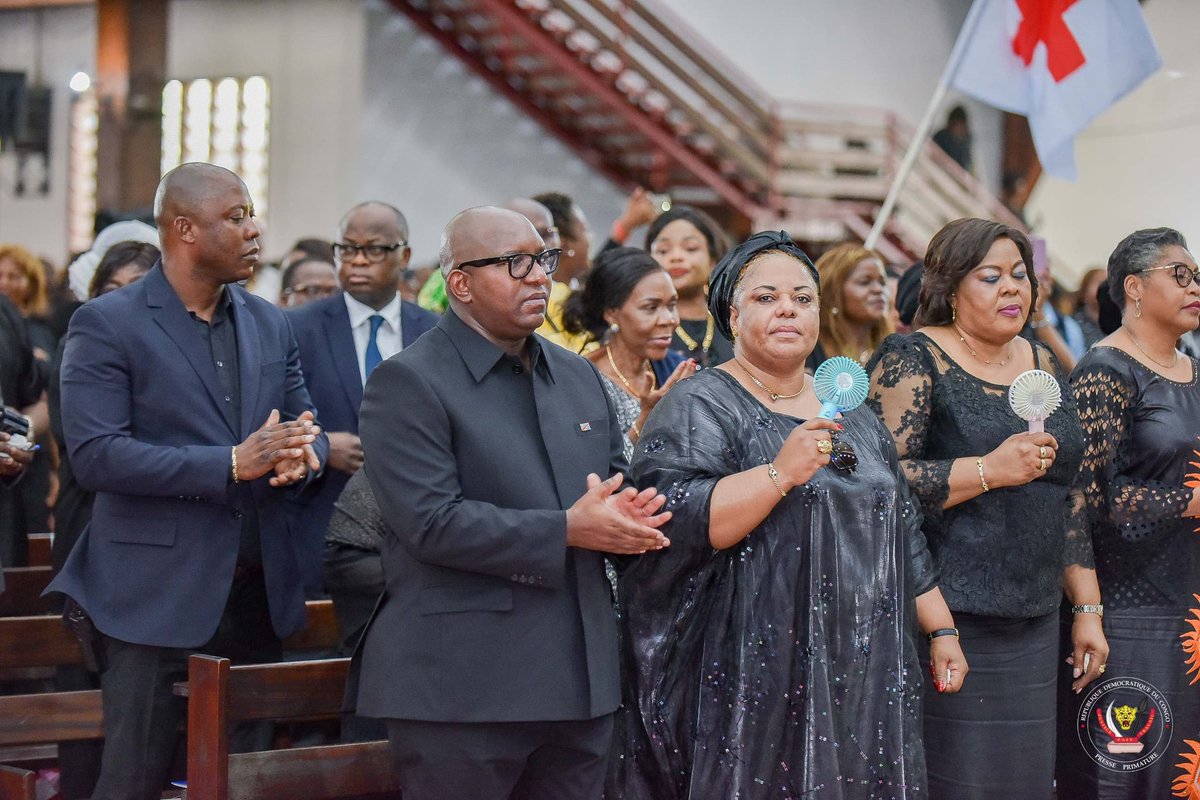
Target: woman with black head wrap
770,651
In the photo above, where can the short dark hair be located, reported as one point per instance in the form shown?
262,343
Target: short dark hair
714,237
1136,252
289,273
559,205
954,251
139,254
314,248
957,114
613,277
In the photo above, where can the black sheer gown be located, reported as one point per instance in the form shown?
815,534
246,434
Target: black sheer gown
1141,462
785,666
1001,557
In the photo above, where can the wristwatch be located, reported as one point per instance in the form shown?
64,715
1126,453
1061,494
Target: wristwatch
1089,608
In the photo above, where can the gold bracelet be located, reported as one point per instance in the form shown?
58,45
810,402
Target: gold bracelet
233,460
979,466
774,473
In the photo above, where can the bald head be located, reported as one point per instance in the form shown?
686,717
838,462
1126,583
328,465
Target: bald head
190,190
539,215
481,232
375,215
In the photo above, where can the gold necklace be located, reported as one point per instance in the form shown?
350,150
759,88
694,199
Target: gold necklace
710,328
1152,358
775,396
624,380
1003,363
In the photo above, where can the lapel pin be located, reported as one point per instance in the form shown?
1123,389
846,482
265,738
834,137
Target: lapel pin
585,426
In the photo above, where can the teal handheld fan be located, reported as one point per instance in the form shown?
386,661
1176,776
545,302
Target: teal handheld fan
841,385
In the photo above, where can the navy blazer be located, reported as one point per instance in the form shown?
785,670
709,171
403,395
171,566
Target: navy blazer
147,430
330,365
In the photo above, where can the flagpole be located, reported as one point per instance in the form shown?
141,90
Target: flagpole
922,133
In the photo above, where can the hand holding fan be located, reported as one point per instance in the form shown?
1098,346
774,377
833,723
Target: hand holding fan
841,385
1033,396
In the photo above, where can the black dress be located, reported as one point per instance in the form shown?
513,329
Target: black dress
1142,460
718,351
782,667
1001,557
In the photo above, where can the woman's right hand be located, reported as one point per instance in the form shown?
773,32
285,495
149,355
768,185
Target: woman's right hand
1018,459
799,459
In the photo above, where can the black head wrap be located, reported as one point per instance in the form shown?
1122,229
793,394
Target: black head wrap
725,275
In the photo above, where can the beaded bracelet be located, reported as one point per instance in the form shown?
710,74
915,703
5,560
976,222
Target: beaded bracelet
979,466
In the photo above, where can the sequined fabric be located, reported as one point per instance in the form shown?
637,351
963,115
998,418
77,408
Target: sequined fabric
1002,553
783,667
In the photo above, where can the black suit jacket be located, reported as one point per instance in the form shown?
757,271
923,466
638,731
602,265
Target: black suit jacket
487,616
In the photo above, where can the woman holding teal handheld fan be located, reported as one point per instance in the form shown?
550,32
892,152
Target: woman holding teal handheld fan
989,437
771,652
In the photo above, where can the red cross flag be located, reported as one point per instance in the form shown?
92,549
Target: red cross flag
1060,63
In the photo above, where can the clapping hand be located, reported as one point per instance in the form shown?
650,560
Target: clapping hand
294,468
623,523
650,399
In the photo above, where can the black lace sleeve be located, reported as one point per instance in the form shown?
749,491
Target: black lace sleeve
902,394
1077,547
1137,510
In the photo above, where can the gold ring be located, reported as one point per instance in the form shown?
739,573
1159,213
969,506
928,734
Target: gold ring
1102,668
824,447
1043,464
1042,452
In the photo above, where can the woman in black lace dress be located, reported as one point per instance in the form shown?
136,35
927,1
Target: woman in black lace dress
769,651
1003,516
1139,403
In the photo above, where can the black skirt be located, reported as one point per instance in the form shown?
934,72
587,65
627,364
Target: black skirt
994,739
1130,734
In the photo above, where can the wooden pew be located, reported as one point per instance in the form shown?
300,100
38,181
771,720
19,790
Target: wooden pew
22,595
219,694
39,549
17,784
322,632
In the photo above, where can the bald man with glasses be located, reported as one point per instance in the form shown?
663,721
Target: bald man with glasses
342,339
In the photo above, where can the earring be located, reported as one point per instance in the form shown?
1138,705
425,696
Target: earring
1137,302
571,253
954,313
734,331
615,328
833,311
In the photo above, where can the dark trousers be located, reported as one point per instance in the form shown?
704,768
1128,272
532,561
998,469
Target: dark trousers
501,760
141,714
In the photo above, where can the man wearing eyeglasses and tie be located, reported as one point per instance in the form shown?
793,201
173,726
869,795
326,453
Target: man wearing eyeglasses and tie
342,339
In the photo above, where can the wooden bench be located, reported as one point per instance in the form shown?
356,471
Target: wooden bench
219,694
40,545
22,595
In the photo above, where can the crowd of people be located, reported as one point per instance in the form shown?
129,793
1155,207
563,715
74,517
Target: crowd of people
583,525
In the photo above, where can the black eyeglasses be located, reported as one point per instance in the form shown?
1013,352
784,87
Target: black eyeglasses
519,264
1183,273
374,252
843,456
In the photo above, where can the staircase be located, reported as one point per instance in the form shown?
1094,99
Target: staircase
642,101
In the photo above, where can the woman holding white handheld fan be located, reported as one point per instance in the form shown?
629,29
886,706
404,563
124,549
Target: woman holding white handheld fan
993,452
1139,403
771,653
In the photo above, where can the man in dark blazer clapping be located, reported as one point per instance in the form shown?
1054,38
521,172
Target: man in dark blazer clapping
492,655
185,411
341,340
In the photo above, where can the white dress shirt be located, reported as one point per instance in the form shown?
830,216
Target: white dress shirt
388,339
